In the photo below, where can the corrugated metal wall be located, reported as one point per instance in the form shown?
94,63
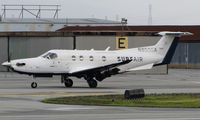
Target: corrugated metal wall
3,52
24,47
194,53
187,55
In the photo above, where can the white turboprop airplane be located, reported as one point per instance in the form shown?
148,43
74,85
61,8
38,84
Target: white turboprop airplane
95,65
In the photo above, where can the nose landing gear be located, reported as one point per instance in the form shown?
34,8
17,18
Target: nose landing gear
34,85
91,81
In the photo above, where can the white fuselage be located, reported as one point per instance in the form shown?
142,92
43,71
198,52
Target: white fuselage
69,61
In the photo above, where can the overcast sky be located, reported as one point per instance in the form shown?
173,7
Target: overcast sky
164,12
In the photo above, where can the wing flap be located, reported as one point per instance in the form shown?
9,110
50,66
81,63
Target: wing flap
144,67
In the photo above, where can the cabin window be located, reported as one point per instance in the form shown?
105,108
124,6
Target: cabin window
91,58
73,58
103,58
81,58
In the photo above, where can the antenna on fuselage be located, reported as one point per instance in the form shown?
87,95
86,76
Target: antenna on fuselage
107,48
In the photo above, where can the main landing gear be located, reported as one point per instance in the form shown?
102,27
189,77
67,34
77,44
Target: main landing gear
91,81
68,82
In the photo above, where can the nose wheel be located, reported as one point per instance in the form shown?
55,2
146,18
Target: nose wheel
34,85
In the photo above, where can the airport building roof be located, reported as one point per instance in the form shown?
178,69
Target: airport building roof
49,24
195,29
59,21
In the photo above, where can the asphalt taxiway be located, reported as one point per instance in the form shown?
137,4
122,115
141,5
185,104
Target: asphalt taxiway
19,101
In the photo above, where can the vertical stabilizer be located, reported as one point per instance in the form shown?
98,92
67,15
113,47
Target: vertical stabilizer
166,46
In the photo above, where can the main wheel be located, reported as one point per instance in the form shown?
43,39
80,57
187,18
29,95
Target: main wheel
92,83
68,83
33,84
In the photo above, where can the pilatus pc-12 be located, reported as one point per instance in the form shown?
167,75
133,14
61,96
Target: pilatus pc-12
93,65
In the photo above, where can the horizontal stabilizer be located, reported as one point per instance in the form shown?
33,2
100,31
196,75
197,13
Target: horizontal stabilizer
178,34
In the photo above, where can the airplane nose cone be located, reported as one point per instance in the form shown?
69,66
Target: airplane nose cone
7,64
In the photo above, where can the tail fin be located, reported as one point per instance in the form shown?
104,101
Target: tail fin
166,46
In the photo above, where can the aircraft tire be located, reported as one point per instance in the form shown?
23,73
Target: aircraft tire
68,83
92,83
34,85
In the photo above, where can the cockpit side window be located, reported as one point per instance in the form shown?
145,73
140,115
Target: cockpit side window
50,55
45,55
53,55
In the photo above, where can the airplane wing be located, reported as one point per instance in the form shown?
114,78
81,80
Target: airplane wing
100,68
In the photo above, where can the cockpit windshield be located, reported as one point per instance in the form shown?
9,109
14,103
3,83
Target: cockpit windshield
50,55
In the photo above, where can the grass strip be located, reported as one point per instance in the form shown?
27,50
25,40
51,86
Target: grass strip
164,101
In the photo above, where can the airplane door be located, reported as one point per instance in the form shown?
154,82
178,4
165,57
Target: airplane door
56,65
53,61
53,64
